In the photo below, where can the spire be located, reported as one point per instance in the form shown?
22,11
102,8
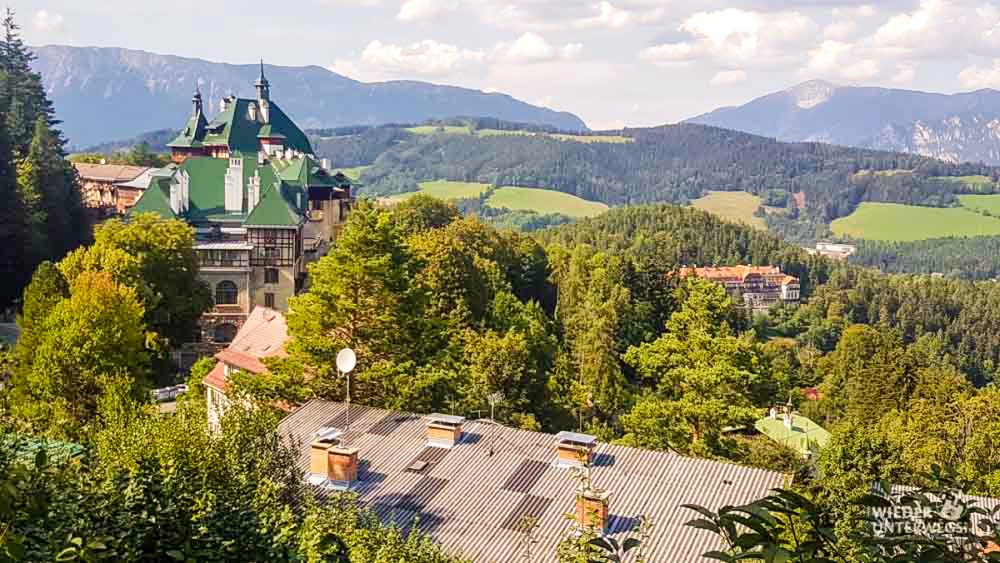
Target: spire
196,100
263,86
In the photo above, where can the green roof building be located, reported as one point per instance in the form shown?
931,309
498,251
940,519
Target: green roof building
793,430
261,203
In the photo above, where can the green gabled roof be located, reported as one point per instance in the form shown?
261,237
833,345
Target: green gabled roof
155,199
192,134
234,128
274,210
803,434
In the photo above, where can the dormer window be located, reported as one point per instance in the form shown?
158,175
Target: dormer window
252,111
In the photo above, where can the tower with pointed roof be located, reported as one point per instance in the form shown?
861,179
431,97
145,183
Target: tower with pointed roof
261,203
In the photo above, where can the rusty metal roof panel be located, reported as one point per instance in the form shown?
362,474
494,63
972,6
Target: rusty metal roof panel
468,497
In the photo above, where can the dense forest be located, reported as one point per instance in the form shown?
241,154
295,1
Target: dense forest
42,216
976,258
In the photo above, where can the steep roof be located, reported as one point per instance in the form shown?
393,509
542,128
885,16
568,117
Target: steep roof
234,128
263,335
156,199
283,200
471,497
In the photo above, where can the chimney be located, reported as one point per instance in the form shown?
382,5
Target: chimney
592,508
788,413
234,185
444,430
330,463
325,163
253,191
574,450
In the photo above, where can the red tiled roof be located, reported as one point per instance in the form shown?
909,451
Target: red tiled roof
736,273
263,335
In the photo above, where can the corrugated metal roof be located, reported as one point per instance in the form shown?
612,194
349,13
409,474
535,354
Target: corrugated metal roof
468,498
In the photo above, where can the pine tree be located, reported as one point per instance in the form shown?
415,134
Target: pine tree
25,100
13,230
55,181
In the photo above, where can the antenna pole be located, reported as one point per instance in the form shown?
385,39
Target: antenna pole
348,427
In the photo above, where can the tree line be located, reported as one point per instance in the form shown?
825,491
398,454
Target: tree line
42,217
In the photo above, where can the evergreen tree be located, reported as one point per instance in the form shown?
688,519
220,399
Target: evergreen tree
25,99
55,180
13,230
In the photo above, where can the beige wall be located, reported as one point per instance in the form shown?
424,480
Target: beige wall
284,289
239,277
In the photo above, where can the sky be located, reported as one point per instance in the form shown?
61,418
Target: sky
614,63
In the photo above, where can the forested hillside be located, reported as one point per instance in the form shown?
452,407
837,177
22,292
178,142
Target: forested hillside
976,258
804,183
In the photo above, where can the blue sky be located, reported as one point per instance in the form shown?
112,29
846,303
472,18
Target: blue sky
612,62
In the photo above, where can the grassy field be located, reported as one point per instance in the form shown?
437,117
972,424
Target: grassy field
354,172
432,129
974,181
989,203
504,133
545,201
892,221
446,189
732,206
618,139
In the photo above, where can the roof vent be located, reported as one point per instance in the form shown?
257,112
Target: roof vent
574,449
444,430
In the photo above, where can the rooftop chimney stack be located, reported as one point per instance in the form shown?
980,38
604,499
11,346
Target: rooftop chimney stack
332,464
444,430
592,508
196,101
574,449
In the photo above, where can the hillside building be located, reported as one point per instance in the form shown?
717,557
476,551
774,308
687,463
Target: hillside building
471,485
108,190
261,203
757,287
837,251
263,335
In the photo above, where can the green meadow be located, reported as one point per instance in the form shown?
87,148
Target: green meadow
732,206
892,221
447,189
544,201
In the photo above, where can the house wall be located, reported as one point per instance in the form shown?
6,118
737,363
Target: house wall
98,197
283,290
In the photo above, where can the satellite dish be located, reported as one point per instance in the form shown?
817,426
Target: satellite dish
346,360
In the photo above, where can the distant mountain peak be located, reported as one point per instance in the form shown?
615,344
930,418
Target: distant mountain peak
812,93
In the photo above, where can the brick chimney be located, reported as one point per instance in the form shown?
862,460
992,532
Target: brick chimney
332,464
574,449
592,508
444,430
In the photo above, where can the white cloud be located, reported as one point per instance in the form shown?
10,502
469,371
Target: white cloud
531,47
841,60
840,30
905,72
975,77
669,53
907,28
46,21
610,16
416,10
424,58
729,77
734,36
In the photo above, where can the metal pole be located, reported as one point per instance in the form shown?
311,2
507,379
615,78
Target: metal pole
348,427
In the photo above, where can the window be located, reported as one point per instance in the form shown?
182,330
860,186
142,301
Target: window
226,293
225,332
269,300
270,275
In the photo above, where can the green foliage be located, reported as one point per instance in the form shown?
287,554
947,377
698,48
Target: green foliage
43,214
88,343
157,258
789,527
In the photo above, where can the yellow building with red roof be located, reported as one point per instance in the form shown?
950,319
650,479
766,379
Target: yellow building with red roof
756,287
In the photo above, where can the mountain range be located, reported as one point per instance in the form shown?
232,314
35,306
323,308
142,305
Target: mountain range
962,127
102,94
